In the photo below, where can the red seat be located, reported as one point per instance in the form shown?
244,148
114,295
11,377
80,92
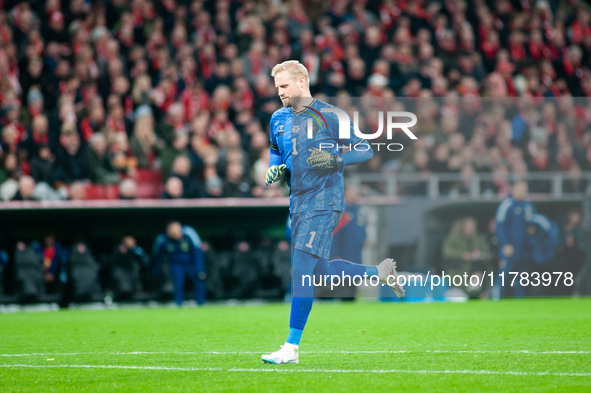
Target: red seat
148,190
94,192
148,175
111,191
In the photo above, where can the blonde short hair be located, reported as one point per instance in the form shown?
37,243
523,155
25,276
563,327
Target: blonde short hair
295,69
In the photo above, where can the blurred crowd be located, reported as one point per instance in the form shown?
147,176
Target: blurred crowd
499,140
94,92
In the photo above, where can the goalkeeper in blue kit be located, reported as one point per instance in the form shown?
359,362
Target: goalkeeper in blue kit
305,148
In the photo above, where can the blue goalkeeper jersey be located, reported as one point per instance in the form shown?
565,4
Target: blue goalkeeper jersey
313,189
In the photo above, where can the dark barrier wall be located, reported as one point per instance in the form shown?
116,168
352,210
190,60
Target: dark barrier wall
103,223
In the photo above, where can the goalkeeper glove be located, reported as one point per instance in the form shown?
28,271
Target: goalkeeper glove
274,173
323,159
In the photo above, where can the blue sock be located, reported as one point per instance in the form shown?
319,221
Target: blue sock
294,337
300,309
372,270
303,294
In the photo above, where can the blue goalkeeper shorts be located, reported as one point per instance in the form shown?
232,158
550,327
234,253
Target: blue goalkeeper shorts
311,232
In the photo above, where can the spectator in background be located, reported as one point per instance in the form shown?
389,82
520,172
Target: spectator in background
464,250
38,136
42,165
574,182
192,187
237,184
35,107
99,161
9,187
419,166
9,138
9,167
181,246
178,148
513,217
77,191
173,189
543,240
26,189
174,123
95,120
54,258
196,154
213,183
128,189
123,159
79,64
127,262
144,144
72,159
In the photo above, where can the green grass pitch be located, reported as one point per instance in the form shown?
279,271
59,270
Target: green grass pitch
535,345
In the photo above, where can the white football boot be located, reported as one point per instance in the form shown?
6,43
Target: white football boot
387,268
287,354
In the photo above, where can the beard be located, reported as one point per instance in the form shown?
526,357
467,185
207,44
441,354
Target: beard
293,102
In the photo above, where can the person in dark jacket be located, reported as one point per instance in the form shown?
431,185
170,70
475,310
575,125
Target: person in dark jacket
192,186
42,165
72,160
543,238
127,261
513,217
237,184
54,262
181,245
99,161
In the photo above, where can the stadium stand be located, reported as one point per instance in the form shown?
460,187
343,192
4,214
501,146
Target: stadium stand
157,79
119,100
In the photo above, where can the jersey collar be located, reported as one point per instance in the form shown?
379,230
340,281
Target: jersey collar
297,113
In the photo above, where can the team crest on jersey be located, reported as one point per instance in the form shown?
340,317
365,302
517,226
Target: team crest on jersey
280,129
315,128
528,213
184,246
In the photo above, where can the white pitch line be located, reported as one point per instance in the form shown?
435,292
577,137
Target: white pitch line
402,351
295,370
304,352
